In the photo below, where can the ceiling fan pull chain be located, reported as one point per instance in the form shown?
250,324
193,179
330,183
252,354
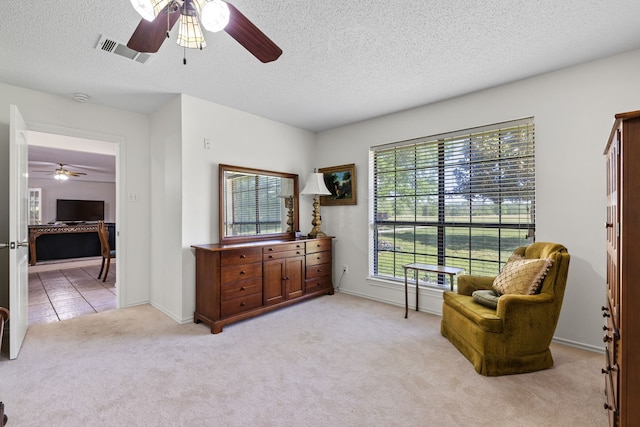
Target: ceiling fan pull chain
184,56
168,24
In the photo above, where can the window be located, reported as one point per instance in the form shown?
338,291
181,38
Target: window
463,199
254,206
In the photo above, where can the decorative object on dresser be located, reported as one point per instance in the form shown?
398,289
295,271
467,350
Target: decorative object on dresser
622,309
236,282
315,185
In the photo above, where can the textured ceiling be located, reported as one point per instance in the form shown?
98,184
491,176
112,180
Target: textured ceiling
343,61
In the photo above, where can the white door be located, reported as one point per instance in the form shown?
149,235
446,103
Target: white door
18,233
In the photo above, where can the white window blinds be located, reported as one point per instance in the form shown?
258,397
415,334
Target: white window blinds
464,199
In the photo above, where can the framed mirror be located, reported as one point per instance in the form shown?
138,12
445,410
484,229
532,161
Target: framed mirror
257,204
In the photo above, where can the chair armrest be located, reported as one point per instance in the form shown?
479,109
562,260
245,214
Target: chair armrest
467,283
522,306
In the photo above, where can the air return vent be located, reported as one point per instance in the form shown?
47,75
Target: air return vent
111,46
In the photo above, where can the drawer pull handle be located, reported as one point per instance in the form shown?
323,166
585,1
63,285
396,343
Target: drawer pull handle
243,272
607,338
242,304
270,249
319,270
270,256
243,256
243,288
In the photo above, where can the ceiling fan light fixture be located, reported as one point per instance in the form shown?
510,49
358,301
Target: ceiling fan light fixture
215,15
60,176
149,9
190,33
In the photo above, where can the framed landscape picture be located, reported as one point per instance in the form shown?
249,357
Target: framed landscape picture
341,181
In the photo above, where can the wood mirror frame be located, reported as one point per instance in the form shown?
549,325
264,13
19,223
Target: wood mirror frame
224,172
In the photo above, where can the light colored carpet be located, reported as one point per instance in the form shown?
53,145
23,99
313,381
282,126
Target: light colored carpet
333,361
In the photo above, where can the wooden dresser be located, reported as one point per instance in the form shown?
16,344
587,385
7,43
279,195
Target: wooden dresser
622,309
239,281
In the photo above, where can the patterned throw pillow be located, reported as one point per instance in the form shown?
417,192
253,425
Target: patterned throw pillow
522,277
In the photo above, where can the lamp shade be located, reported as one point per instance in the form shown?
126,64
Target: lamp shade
286,188
190,34
315,185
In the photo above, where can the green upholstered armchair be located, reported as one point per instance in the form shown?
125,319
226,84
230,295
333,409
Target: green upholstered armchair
514,337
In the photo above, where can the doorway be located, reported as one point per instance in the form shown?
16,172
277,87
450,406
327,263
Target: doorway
64,282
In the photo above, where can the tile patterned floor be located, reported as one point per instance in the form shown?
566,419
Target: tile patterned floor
59,294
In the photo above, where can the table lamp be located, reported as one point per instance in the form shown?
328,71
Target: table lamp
315,185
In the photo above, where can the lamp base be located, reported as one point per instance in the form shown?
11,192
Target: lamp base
316,232
317,220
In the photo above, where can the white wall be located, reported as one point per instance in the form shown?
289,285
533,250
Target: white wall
166,207
53,190
189,196
573,110
54,114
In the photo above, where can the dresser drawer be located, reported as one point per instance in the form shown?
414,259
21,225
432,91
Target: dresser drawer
280,255
318,258
232,273
319,245
238,305
241,256
241,288
318,283
295,246
318,270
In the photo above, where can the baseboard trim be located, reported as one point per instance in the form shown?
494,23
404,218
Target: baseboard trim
579,345
390,302
557,340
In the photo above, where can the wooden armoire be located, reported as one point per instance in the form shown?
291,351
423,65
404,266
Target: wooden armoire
622,308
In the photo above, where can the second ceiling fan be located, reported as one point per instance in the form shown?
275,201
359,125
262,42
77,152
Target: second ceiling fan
159,17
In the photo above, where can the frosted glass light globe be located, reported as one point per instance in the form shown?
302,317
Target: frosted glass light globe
215,15
149,9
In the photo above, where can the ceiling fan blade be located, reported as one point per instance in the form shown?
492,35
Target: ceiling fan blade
250,36
149,36
74,173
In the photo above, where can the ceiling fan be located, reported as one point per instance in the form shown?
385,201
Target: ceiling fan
61,173
159,17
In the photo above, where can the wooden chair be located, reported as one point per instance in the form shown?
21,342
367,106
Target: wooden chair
4,316
105,250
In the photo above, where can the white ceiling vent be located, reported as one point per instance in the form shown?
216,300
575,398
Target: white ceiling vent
111,46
